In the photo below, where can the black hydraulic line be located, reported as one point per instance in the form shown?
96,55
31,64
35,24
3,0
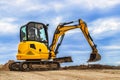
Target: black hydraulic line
89,36
66,23
56,50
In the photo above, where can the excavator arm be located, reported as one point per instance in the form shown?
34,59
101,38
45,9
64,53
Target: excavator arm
59,35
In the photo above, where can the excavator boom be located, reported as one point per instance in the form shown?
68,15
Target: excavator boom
63,28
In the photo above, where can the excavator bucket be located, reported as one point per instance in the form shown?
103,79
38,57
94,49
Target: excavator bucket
94,57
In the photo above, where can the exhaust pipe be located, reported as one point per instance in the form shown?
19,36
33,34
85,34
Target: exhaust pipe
94,57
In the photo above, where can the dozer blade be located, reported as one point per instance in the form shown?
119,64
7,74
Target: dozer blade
63,59
94,57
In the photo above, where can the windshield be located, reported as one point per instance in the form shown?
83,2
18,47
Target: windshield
33,32
42,34
23,33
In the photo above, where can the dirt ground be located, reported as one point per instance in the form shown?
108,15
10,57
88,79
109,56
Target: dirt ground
62,75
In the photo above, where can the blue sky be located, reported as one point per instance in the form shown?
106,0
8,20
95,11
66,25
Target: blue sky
101,16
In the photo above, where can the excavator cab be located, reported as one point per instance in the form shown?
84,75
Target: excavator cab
34,32
34,42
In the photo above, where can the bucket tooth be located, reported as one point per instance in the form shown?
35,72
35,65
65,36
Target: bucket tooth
94,57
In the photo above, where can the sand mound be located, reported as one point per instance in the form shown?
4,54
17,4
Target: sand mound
5,66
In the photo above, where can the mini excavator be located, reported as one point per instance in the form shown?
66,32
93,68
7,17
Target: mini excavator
36,54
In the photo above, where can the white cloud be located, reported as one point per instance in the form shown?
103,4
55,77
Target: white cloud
7,52
8,20
92,4
105,27
56,20
7,26
87,4
22,5
29,5
6,47
57,6
112,47
117,63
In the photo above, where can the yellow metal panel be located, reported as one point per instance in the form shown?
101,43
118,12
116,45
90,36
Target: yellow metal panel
25,52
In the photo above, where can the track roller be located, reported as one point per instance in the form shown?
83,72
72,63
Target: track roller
14,66
54,66
24,66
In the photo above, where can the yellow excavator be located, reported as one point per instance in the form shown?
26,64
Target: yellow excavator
36,54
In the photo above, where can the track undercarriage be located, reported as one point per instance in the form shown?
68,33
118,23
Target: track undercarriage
33,65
